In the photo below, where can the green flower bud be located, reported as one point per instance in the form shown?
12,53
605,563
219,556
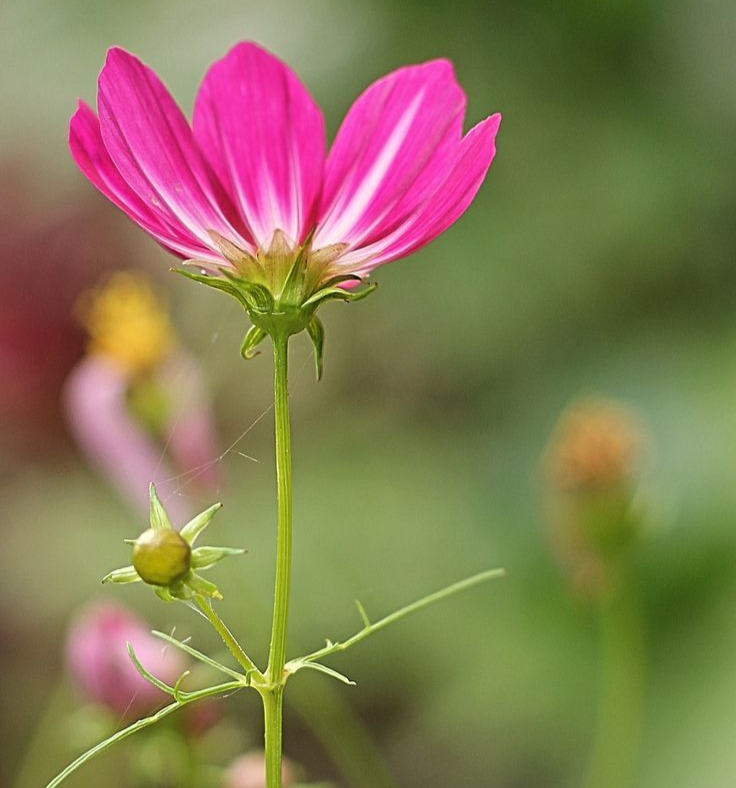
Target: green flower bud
167,560
161,557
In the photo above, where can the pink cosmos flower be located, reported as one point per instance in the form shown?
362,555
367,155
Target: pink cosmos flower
98,660
251,179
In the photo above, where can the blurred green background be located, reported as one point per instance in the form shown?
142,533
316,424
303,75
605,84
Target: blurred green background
598,257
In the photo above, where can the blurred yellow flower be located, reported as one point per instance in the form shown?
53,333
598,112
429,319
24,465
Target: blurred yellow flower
127,321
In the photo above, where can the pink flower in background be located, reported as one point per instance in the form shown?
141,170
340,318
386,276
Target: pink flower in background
252,174
118,445
98,660
249,771
137,404
64,248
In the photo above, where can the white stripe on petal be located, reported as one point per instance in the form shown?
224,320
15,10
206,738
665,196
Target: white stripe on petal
349,211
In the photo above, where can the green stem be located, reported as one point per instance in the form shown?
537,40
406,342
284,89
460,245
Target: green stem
189,697
273,717
342,733
621,708
227,636
369,628
273,693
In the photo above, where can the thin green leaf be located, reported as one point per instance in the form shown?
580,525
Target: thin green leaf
295,667
197,524
147,675
455,588
362,612
199,655
177,693
146,722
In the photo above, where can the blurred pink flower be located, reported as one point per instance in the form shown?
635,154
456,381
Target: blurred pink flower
249,771
125,451
253,168
98,660
137,404
47,258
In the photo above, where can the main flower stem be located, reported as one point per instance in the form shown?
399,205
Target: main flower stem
274,691
614,755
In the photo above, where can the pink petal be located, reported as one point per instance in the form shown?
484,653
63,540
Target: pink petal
264,136
395,146
96,406
150,142
192,436
449,201
92,158
97,658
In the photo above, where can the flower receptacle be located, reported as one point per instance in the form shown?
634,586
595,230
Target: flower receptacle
282,288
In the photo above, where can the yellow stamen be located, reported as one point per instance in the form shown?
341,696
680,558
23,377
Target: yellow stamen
127,320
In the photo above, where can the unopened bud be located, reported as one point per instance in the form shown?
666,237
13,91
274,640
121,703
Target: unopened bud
596,445
161,557
591,482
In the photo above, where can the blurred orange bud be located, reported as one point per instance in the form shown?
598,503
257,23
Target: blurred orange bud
596,444
591,474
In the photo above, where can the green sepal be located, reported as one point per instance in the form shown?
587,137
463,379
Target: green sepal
197,524
125,574
294,283
159,518
216,283
243,262
201,586
252,339
316,332
205,557
341,279
340,294
256,296
163,593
